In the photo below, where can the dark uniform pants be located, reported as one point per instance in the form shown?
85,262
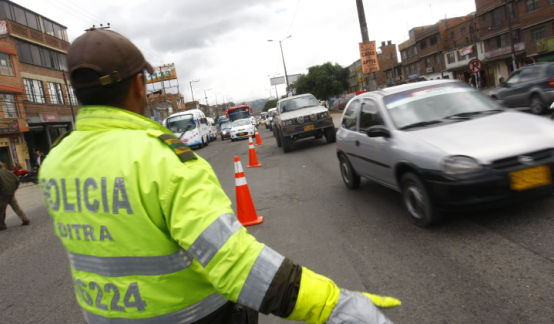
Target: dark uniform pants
4,202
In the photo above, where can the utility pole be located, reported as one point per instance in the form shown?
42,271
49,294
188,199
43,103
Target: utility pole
392,68
285,66
276,94
69,97
508,14
361,18
472,30
192,92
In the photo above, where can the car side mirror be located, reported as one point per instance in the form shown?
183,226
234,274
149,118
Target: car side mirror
378,131
552,106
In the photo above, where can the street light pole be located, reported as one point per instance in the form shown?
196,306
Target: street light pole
284,65
191,92
511,35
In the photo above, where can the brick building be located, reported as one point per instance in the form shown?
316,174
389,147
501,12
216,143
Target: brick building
159,107
36,100
536,21
387,58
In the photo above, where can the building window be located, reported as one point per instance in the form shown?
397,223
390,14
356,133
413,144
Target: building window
53,29
450,58
35,91
418,67
412,68
433,40
538,34
532,5
437,59
6,67
515,35
71,95
9,106
512,11
452,35
32,54
428,62
500,41
410,52
423,45
407,70
550,2
464,31
496,17
404,56
56,94
415,50
21,16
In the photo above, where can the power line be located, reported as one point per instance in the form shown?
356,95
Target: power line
294,16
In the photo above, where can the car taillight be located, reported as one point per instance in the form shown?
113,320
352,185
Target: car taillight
551,83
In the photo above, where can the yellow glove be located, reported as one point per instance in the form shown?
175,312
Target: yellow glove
383,302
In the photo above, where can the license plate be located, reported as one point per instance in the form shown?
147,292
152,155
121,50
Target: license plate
309,128
530,178
241,134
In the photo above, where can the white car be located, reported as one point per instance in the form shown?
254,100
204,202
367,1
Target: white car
254,121
269,119
241,129
213,129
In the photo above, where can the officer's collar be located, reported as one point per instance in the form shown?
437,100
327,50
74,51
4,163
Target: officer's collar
104,117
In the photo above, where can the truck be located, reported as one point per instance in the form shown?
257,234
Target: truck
300,117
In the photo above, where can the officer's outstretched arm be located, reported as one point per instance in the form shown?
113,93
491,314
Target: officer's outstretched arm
242,270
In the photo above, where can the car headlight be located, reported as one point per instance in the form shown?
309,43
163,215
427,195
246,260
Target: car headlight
286,123
324,115
459,165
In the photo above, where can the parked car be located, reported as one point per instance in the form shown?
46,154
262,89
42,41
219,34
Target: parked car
342,102
269,119
444,146
301,117
241,128
530,86
226,130
213,129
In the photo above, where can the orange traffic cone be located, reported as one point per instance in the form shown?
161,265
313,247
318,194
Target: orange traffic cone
246,212
258,138
253,161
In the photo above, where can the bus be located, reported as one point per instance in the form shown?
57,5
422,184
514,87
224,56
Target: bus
239,112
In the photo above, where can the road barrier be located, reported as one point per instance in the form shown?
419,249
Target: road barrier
258,138
253,158
246,212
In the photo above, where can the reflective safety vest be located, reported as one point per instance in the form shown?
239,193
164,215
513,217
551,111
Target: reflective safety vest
150,238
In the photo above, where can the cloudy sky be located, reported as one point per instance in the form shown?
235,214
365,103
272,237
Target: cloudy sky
224,43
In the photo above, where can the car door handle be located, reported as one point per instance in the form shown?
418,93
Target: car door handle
357,143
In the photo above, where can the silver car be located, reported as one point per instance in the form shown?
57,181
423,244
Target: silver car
444,146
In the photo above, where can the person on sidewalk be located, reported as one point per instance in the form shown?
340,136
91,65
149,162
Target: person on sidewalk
148,221
8,185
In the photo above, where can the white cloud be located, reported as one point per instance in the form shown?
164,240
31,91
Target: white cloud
224,43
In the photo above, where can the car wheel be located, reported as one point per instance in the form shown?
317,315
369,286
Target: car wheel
202,142
537,106
418,201
232,139
286,141
207,141
349,176
222,138
277,138
331,135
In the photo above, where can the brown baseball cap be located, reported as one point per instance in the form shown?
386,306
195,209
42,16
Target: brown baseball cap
108,53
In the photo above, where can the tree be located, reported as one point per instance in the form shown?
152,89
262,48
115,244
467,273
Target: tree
323,81
270,104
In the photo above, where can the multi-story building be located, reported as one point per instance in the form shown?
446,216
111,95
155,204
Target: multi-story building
461,45
536,20
498,39
35,99
386,58
160,106
409,52
356,78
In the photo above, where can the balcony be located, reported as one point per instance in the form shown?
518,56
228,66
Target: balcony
37,36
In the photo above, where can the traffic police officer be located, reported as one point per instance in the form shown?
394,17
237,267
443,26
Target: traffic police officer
150,234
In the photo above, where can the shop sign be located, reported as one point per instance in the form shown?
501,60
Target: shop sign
46,118
505,50
358,68
3,27
466,50
360,79
14,152
368,54
9,126
413,76
545,45
430,69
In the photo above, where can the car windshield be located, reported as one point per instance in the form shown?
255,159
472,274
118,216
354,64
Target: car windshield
298,103
243,122
344,101
226,125
431,104
179,124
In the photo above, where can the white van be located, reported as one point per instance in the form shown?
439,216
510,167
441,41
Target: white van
213,129
190,126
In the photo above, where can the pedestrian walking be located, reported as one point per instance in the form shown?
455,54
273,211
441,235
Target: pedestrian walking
150,223
40,158
8,185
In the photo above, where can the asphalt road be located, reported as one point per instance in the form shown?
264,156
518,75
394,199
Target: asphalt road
494,266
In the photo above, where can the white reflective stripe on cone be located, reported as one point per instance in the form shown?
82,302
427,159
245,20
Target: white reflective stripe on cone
238,168
251,146
240,182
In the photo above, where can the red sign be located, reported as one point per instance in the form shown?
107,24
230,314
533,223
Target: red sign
3,27
475,66
466,50
46,118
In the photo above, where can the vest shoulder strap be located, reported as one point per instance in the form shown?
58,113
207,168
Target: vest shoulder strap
60,139
183,151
